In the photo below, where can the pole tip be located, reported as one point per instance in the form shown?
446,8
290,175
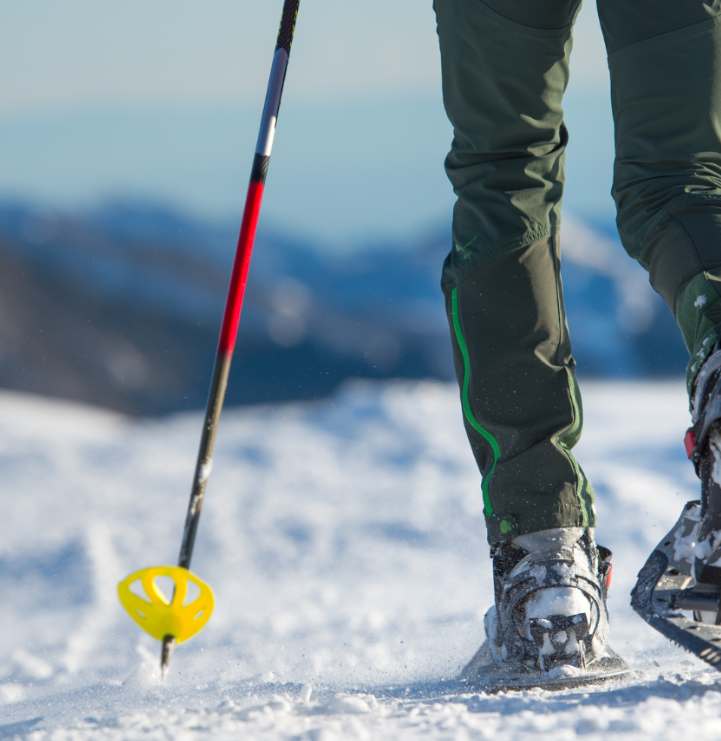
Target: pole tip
166,654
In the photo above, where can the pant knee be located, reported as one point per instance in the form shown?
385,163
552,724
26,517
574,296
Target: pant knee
503,84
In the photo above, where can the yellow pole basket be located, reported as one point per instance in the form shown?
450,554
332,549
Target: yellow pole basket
157,615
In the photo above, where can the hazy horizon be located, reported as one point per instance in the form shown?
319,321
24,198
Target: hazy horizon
162,103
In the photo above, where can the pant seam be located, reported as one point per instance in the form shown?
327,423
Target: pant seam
548,33
693,247
674,203
655,41
578,484
557,275
468,267
579,487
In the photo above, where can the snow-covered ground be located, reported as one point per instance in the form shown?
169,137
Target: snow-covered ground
345,544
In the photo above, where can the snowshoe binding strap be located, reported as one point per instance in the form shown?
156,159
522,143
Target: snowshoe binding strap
560,640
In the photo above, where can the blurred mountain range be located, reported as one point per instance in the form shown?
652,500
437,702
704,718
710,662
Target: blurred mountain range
121,307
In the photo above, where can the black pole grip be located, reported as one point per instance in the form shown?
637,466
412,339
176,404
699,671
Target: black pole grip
287,25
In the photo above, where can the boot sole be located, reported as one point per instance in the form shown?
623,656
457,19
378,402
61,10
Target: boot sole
482,673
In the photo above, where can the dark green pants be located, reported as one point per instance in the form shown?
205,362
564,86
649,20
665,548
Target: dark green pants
505,69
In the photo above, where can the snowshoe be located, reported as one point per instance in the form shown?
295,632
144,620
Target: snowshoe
549,625
679,589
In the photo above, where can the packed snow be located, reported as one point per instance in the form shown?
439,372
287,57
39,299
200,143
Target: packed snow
345,544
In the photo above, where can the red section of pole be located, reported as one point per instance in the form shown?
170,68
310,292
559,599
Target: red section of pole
239,277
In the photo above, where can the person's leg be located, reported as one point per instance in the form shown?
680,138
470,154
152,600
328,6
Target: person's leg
505,68
665,64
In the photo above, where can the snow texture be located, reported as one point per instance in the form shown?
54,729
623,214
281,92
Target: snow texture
345,544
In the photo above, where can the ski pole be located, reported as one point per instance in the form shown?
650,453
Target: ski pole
171,621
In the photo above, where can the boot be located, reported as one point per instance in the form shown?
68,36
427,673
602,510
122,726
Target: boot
550,601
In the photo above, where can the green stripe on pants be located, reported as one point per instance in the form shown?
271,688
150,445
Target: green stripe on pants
488,508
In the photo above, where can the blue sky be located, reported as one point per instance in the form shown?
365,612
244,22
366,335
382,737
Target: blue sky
162,100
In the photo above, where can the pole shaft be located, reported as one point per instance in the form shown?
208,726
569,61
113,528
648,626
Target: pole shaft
239,277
